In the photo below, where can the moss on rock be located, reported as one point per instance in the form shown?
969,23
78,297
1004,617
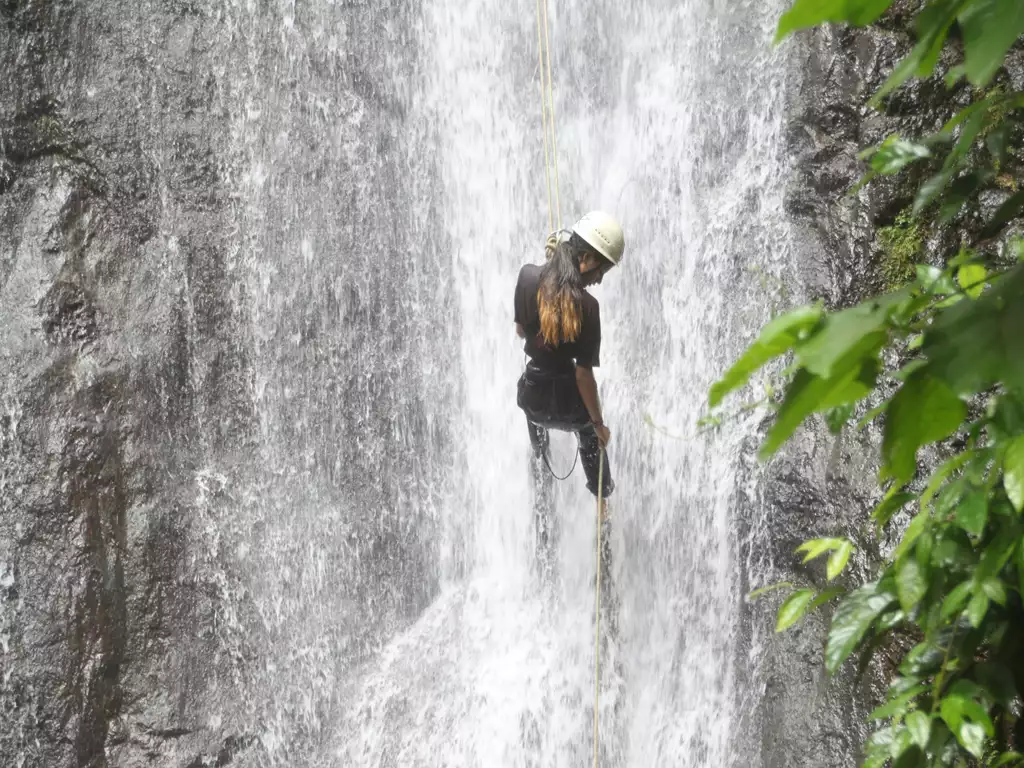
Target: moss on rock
901,244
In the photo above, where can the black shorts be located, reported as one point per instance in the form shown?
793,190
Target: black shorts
553,401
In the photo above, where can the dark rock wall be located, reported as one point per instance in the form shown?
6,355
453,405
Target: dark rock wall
101,408
820,484
823,485
128,353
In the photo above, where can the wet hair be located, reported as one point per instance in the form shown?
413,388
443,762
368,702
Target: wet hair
560,295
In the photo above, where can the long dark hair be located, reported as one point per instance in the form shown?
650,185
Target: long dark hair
560,295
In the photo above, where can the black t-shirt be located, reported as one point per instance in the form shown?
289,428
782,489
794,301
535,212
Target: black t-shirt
585,351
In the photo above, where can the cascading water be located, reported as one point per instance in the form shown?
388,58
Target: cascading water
378,557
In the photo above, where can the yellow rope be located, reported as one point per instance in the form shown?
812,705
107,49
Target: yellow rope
544,119
547,114
597,607
551,112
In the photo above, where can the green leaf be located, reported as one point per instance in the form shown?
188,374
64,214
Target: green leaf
972,512
964,114
818,547
972,737
895,153
949,301
836,418
810,13
933,25
838,559
1008,758
975,344
997,681
997,554
1008,416
922,660
955,600
967,719
898,705
923,550
952,554
793,609
1004,214
997,141
950,496
962,190
901,685
971,128
963,256
971,278
859,328
807,393
1020,569
851,621
912,757
1013,473
903,72
977,608
890,505
871,415
933,280
910,536
954,75
776,338
994,591
970,691
824,596
939,476
923,411
890,619
931,189
911,583
920,727
881,742
768,588
901,742
989,27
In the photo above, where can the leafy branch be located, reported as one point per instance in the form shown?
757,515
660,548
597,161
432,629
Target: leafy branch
955,580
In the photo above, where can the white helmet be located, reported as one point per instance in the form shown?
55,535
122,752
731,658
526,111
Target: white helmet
602,233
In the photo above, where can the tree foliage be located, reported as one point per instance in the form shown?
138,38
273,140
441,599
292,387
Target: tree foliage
953,584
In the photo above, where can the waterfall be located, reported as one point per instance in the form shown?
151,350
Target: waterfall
390,177
361,535
389,174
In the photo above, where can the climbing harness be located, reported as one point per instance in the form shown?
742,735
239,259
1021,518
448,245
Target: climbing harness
547,110
547,464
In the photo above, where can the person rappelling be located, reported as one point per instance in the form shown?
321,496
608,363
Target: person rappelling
561,325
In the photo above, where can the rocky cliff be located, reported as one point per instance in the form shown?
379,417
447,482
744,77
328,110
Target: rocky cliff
131,417
850,245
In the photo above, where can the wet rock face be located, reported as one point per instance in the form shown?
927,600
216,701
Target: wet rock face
821,485
99,615
125,371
